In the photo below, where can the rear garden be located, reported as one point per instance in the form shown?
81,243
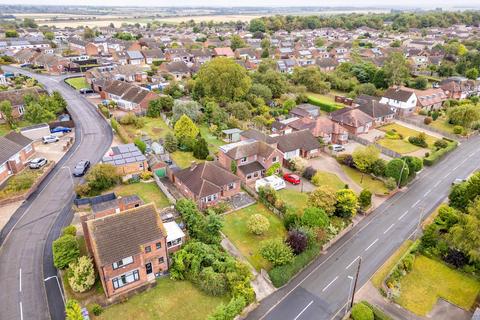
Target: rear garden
147,191
21,182
402,139
78,83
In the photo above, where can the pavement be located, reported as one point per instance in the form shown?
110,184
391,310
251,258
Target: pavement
322,290
25,252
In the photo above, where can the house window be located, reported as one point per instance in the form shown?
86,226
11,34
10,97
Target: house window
243,160
275,159
210,198
122,263
161,260
28,148
125,279
148,249
158,245
231,186
255,174
175,242
249,176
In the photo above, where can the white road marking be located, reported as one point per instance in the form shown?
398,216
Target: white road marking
352,262
426,193
403,215
20,279
21,310
388,229
436,184
456,168
445,176
371,244
328,285
414,205
303,310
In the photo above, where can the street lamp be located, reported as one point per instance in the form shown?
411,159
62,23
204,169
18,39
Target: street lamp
401,174
58,284
349,293
419,221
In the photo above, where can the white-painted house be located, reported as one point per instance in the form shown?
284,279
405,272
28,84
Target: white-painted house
401,100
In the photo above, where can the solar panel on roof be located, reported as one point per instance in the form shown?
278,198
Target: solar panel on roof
127,155
130,160
136,153
117,156
118,162
140,158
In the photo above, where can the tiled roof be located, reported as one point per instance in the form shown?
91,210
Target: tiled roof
11,144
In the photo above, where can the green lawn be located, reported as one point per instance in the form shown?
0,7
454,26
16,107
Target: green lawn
169,300
78,83
384,270
403,146
442,124
183,159
375,186
236,230
322,97
5,128
294,198
430,280
331,180
148,192
213,141
155,128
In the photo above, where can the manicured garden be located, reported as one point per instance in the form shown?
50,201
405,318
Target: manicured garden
78,83
184,159
376,186
148,192
294,198
324,102
430,280
385,269
324,178
21,182
169,300
212,140
155,128
397,139
236,230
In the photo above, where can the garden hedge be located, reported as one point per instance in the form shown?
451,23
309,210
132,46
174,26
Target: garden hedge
327,107
437,155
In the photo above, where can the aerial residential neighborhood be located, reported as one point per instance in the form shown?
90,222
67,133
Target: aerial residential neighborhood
239,162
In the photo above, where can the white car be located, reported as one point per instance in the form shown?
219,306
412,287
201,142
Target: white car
274,182
50,139
37,163
338,147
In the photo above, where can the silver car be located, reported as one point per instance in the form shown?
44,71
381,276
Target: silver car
37,163
50,139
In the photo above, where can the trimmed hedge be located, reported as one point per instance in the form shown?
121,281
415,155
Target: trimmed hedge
282,274
121,132
377,313
327,107
437,155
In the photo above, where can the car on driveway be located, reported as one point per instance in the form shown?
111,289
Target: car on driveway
50,139
81,168
274,182
37,163
292,178
338,147
61,129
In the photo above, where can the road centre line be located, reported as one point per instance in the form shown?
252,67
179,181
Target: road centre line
328,285
21,310
417,202
388,229
20,279
426,193
352,262
371,244
436,184
303,310
403,215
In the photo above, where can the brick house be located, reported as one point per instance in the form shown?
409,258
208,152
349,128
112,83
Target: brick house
128,160
321,127
380,112
298,144
251,158
129,249
15,150
127,95
353,120
206,183
16,98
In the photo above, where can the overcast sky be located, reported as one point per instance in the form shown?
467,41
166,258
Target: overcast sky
226,3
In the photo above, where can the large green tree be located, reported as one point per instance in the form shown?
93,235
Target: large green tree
184,128
6,111
396,69
223,80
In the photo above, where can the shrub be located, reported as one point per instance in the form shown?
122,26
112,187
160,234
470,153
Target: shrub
362,312
297,240
122,134
378,167
317,179
96,309
210,158
456,258
346,159
102,176
328,107
458,129
280,275
440,144
65,251
290,218
229,311
274,168
436,155
315,218
258,224
200,149
323,197
377,313
71,230
105,111
146,175
81,275
141,145
365,199
427,120
212,282
276,252
347,203
73,310
309,172
398,170
170,142
419,140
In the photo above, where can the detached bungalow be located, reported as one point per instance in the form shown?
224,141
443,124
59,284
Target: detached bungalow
403,101
298,144
15,150
128,160
127,96
354,120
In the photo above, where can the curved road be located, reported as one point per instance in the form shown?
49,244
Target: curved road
322,290
25,252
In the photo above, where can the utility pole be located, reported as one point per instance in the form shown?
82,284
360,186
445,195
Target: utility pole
356,280
422,209
349,293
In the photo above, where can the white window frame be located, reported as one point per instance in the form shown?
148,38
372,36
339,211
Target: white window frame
122,263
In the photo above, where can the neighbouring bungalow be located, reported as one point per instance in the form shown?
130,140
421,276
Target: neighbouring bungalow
206,183
127,96
15,150
298,144
353,120
380,112
17,99
128,160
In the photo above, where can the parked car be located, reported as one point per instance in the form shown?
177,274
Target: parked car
81,168
61,129
273,182
338,147
458,181
85,90
50,139
37,163
292,178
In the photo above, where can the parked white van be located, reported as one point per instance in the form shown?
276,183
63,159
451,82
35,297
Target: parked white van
274,182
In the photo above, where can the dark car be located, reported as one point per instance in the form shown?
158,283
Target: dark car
81,168
61,129
292,178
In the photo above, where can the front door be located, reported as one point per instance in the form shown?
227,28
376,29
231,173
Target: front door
148,267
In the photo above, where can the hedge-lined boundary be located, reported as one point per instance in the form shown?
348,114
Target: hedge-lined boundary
122,133
437,155
327,107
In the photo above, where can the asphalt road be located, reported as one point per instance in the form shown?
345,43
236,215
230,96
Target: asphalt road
321,291
25,254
